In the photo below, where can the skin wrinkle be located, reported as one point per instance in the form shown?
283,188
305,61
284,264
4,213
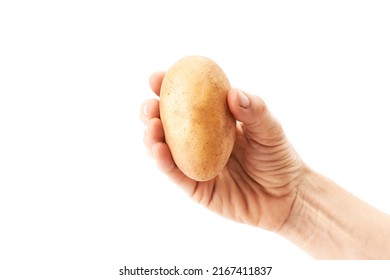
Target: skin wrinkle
211,195
276,182
194,186
269,151
252,181
246,206
195,189
275,140
282,225
263,168
234,175
253,190
308,236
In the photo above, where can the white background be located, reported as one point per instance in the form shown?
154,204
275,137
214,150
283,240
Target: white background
80,198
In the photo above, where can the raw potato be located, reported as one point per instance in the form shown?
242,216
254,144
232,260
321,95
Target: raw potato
198,126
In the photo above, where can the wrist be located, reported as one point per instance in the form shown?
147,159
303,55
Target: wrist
330,223
300,223
322,220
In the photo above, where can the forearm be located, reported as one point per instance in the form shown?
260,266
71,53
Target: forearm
330,223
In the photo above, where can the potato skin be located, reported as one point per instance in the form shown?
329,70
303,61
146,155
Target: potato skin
198,125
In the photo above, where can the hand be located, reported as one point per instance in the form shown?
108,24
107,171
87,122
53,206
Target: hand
258,184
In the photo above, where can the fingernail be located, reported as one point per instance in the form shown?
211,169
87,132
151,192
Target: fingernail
244,100
146,109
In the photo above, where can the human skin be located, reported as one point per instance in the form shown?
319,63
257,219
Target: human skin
266,184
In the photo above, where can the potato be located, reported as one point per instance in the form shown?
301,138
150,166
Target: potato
198,125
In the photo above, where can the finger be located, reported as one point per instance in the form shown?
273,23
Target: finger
166,164
154,133
155,81
259,124
150,109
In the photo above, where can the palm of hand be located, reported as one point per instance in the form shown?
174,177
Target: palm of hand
257,186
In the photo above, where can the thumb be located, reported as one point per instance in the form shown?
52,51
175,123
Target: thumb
259,124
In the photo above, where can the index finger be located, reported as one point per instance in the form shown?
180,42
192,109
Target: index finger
155,81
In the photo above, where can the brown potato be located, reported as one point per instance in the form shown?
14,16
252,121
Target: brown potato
198,125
